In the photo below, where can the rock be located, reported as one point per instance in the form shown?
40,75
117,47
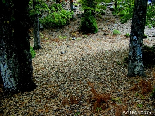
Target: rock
109,4
111,8
82,59
73,38
41,27
63,52
153,35
74,8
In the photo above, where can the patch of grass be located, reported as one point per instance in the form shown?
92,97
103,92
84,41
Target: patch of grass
62,37
98,109
150,26
77,113
140,105
127,35
116,32
33,53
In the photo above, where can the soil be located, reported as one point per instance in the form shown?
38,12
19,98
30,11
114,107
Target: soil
85,75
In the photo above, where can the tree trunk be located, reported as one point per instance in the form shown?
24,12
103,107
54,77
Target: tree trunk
37,44
135,67
15,58
115,5
58,1
71,7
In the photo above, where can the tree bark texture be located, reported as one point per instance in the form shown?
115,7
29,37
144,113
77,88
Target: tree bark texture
135,66
15,58
37,44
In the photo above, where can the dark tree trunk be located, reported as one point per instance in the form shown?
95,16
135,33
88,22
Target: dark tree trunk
15,58
71,7
37,44
116,5
135,67
58,1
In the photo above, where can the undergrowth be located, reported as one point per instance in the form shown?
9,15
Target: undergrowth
88,23
100,100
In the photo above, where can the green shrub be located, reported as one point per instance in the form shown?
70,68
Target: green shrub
88,23
122,13
33,53
125,10
40,8
56,19
55,7
150,17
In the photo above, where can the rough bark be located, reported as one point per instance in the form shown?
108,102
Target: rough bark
58,1
135,67
15,58
71,7
37,44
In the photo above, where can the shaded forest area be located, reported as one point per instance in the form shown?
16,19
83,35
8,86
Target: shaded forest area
85,73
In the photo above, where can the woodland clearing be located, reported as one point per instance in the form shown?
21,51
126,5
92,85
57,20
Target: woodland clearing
86,76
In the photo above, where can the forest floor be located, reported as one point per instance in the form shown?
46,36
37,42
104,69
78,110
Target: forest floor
86,76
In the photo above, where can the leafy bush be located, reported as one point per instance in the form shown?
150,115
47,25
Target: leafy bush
100,9
150,17
56,19
125,10
55,7
40,8
88,23
33,53
51,16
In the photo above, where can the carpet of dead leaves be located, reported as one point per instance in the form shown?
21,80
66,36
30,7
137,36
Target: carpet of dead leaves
84,77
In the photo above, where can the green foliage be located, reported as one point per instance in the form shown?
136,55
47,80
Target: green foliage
56,19
125,10
40,8
88,23
140,105
116,32
98,109
55,7
94,5
127,35
54,15
150,17
33,53
150,26
100,9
